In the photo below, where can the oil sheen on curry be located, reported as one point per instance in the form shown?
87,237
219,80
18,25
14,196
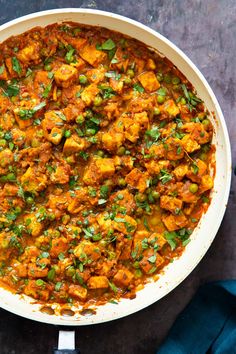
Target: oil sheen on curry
105,160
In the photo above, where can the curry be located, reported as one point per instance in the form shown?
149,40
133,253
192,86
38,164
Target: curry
105,164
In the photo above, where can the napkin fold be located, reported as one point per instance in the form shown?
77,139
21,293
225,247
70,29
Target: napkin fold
207,324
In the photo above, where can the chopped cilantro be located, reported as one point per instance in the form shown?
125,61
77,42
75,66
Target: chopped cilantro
47,91
107,45
138,88
165,176
28,113
16,65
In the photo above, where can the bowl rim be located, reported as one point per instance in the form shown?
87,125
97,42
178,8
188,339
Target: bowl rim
132,309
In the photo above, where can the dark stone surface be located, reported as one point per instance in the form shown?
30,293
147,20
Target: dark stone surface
205,30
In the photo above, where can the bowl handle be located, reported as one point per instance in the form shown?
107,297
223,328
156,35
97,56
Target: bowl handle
66,343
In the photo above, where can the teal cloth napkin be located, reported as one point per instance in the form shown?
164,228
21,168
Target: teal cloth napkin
207,324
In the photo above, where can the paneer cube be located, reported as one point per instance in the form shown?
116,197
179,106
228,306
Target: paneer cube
34,226
35,271
59,245
174,222
66,75
18,137
174,205
96,75
36,291
98,170
157,239
3,74
41,81
89,93
112,141
137,179
206,183
78,201
98,282
196,175
149,81
29,53
180,171
125,224
170,108
78,292
123,278
87,252
33,181
151,262
93,56
174,149
52,125
189,144
104,222
75,144
105,167
142,119
6,157
61,174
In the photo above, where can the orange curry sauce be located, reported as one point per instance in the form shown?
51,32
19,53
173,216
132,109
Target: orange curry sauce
105,155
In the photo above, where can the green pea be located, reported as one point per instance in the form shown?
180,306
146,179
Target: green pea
103,243
51,216
130,73
122,182
156,111
160,99
121,151
206,122
136,264
155,195
89,113
90,132
183,101
67,133
70,271
2,134
48,67
175,80
100,153
193,188
127,80
140,197
79,119
203,156
97,101
3,142
29,200
83,79
159,77
70,160
18,209
176,87
167,79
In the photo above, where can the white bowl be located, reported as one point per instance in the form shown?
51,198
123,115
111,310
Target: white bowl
204,234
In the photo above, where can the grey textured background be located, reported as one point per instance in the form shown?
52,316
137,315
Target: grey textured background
206,31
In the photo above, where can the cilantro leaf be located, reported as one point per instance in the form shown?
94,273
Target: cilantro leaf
165,176
16,65
138,88
107,45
